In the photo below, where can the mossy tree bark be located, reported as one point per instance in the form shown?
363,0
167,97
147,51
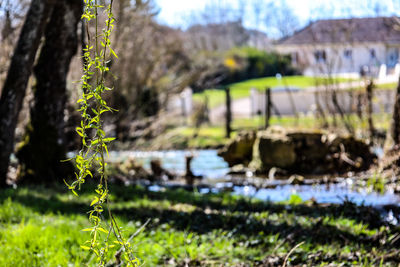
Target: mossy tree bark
42,154
18,76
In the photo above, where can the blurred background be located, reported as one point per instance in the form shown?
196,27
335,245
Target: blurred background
246,107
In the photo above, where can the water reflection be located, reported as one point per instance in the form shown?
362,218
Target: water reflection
215,170
335,193
205,162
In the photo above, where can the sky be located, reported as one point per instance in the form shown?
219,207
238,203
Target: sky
179,13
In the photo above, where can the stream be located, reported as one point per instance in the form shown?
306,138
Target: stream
215,172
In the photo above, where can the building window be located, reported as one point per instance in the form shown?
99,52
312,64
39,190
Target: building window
348,54
320,56
393,57
372,53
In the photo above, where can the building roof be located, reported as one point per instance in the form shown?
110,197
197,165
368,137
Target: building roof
379,29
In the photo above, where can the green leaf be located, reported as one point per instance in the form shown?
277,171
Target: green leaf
96,252
94,142
88,172
113,53
87,229
69,187
79,131
85,247
105,148
102,230
94,201
101,132
73,191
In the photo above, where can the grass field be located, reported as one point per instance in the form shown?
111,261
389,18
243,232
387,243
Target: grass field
381,121
390,86
42,227
242,89
187,137
214,136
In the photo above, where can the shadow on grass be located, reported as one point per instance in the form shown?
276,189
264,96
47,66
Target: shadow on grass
368,215
241,218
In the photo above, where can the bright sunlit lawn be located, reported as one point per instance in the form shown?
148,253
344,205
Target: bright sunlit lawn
42,227
242,89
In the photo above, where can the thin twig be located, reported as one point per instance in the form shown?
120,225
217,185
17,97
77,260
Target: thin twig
134,235
117,255
290,252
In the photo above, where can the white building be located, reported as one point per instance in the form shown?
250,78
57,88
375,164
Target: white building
346,47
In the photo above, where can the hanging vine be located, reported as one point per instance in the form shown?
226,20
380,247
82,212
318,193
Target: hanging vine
94,141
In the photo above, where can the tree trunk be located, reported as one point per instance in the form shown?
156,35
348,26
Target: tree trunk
41,156
18,76
395,127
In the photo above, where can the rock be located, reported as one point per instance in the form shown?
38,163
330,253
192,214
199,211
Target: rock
239,169
296,179
127,171
397,189
309,150
350,151
303,152
313,152
133,169
239,150
276,151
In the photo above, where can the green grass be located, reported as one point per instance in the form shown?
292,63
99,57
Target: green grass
381,121
206,136
189,137
285,121
381,86
388,86
214,136
242,89
42,227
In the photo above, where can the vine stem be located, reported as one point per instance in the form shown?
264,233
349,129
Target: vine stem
94,144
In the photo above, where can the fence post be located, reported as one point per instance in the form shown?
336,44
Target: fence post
268,107
228,113
370,110
183,109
